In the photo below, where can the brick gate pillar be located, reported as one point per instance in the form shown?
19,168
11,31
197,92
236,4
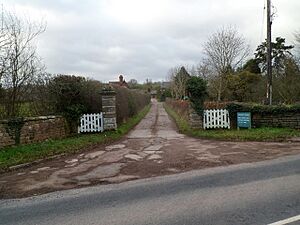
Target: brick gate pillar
109,109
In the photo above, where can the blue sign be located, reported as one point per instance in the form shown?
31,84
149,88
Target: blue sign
244,120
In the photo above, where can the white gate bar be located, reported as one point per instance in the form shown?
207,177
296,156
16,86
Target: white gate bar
216,118
91,123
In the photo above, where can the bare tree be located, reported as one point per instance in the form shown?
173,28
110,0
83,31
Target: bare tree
178,77
204,69
171,77
133,83
5,41
20,64
225,50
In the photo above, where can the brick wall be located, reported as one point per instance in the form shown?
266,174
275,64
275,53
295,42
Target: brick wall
289,120
31,130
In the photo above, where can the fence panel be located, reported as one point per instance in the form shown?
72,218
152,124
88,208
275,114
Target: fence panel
216,118
91,123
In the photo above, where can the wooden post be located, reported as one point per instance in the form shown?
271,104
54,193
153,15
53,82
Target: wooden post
269,54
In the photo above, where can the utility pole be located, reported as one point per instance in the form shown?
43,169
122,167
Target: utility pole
2,17
269,54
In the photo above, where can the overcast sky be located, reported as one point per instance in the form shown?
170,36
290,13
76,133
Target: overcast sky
143,38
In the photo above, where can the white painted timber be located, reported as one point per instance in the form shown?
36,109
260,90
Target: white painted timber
91,123
216,118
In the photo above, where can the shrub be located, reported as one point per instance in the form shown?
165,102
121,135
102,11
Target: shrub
181,107
263,109
91,95
129,102
166,93
197,89
67,98
73,96
215,105
243,87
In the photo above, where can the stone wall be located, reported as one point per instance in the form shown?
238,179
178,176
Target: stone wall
195,120
289,120
31,130
5,138
266,119
109,109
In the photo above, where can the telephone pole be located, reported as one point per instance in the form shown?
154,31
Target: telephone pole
269,54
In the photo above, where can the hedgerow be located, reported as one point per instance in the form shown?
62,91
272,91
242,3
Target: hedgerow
263,109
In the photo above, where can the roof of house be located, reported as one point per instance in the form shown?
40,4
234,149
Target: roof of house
121,82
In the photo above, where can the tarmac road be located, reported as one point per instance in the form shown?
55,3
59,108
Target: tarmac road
257,193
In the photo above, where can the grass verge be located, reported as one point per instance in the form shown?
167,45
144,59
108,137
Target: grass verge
16,155
258,134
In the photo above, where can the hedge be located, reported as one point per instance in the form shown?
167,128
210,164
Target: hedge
181,107
262,109
129,102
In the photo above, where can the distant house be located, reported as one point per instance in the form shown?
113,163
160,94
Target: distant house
120,83
165,85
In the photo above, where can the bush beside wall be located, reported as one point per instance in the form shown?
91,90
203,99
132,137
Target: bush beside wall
129,103
37,129
262,115
181,107
184,109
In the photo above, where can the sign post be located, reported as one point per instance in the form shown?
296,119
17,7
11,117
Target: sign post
243,120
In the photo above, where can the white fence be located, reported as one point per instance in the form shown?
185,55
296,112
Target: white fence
216,118
91,123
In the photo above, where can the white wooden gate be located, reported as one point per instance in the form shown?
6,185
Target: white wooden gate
216,118
91,123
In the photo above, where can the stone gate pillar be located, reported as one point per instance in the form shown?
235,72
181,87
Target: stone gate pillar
109,109
195,120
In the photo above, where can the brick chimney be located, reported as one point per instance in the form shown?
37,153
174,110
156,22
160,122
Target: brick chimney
121,79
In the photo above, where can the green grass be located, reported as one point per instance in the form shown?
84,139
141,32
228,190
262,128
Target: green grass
258,134
15,155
